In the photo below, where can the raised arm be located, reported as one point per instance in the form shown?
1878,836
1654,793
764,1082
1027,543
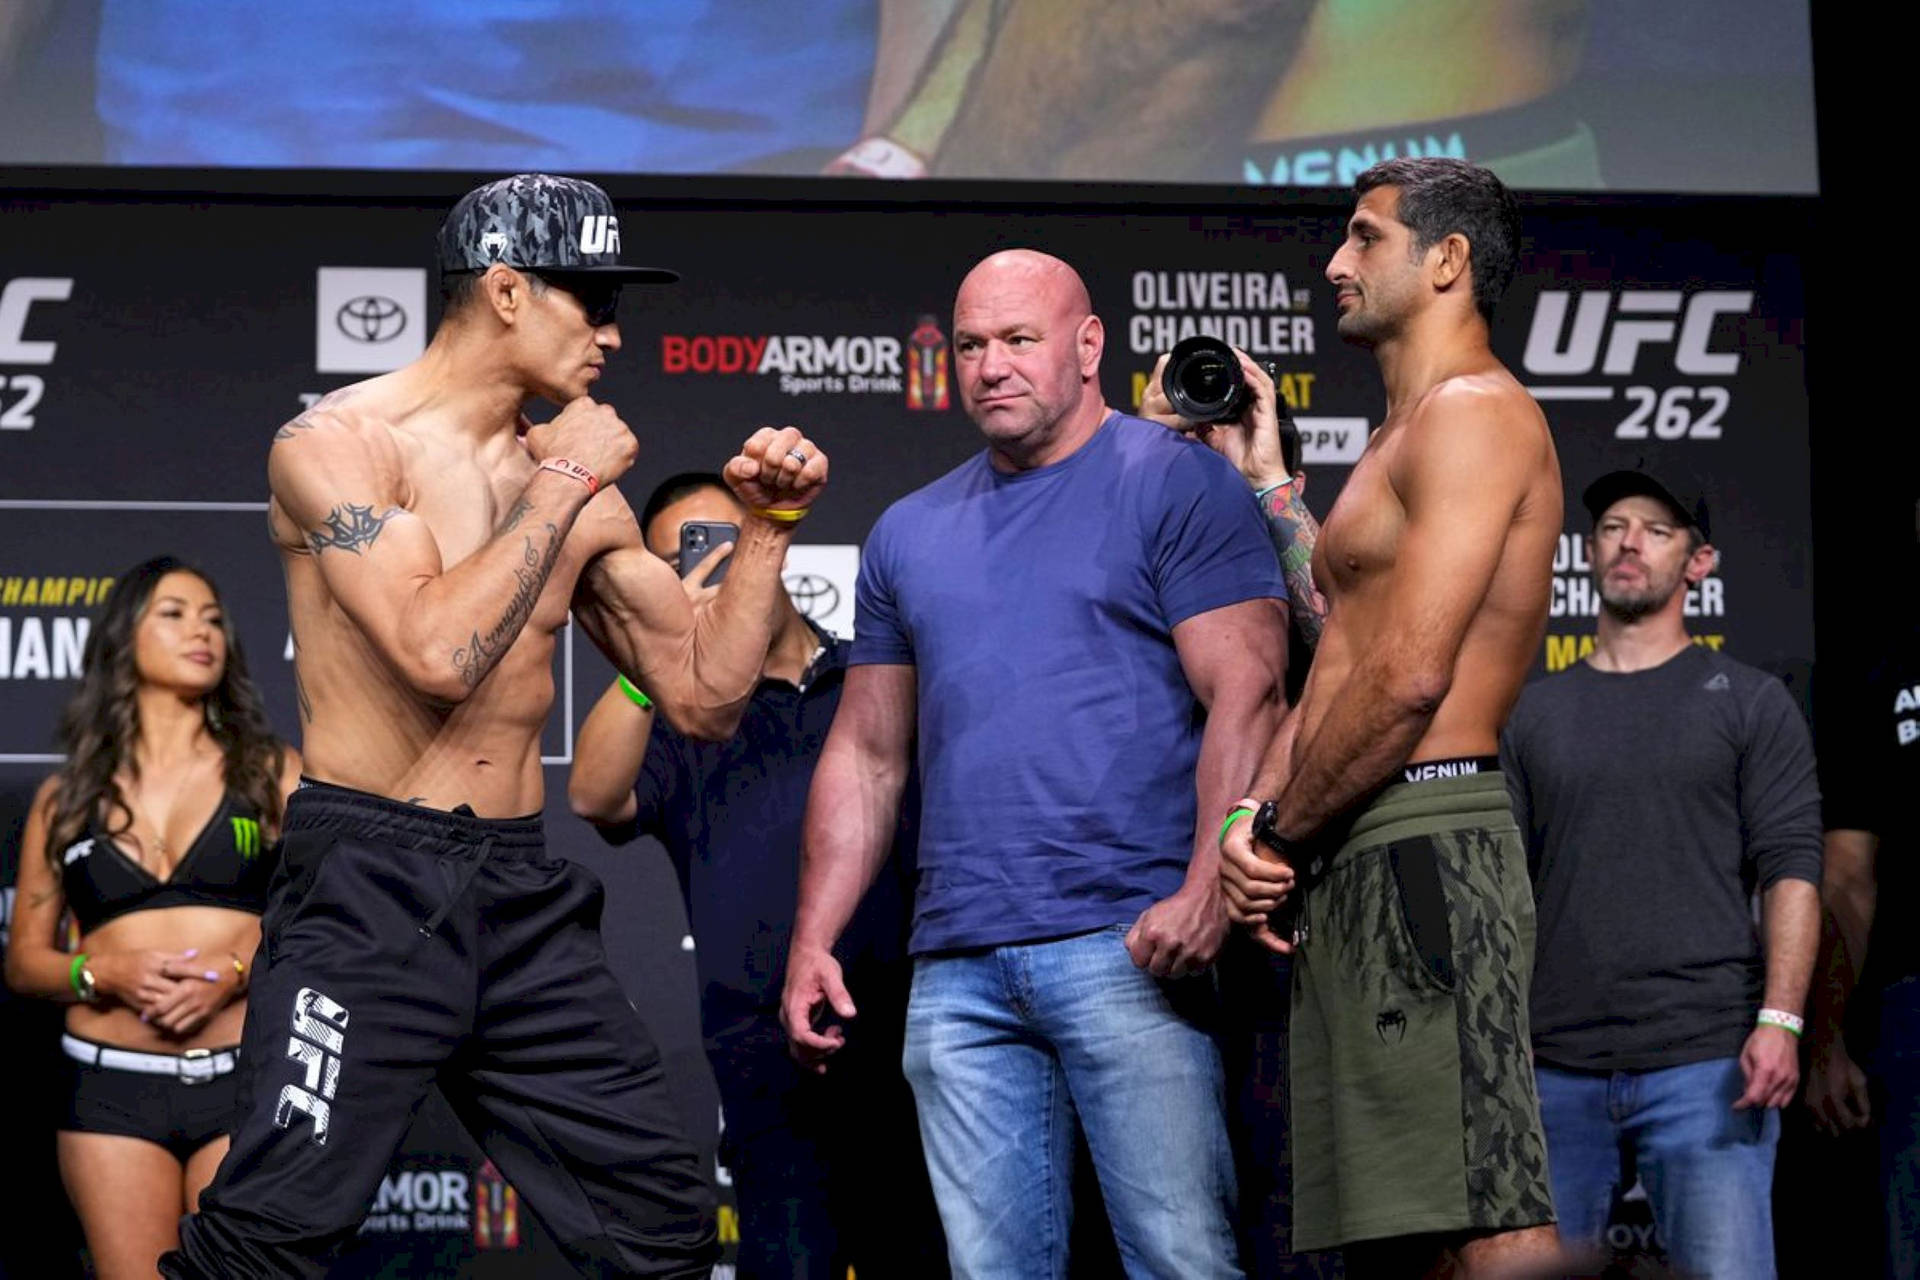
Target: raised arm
1462,473
701,665
1235,660
340,485
852,812
1257,449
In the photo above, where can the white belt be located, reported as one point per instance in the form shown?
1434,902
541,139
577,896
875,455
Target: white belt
195,1066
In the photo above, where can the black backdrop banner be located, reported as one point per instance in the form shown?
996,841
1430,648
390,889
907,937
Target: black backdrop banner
150,345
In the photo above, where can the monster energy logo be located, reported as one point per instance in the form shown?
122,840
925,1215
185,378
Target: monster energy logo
246,837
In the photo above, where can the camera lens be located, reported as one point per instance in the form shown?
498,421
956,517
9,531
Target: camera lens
1203,381
696,537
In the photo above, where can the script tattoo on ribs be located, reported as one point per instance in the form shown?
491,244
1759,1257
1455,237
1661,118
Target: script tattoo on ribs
475,658
350,528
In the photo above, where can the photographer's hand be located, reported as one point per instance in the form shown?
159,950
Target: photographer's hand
1252,444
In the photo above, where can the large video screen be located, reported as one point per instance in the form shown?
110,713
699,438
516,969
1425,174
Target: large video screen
1650,95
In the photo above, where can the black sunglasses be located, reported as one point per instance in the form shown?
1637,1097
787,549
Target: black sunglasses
599,300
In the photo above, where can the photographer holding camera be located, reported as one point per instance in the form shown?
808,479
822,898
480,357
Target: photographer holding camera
816,1193
1228,401
1225,399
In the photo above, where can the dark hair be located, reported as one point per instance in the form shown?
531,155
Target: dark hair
676,487
460,289
101,722
1440,196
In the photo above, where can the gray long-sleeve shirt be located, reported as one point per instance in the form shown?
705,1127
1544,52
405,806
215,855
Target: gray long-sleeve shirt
1653,804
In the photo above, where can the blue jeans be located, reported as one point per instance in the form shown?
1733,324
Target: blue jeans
1007,1047
1707,1169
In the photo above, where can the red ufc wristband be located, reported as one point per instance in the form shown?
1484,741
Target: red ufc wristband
568,467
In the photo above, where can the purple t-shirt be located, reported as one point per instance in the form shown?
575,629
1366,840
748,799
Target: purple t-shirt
1057,734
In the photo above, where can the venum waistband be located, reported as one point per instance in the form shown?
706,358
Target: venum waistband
1451,767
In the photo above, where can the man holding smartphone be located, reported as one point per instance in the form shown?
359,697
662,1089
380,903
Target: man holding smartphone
815,1193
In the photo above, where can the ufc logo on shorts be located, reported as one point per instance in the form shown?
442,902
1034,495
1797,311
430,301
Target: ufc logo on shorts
319,1025
600,233
1621,327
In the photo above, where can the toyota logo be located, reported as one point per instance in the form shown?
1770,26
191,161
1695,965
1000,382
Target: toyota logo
371,318
814,596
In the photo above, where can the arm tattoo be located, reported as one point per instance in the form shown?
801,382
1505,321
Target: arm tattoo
302,423
512,521
1294,532
477,657
350,528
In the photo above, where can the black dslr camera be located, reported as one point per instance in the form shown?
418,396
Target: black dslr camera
1204,384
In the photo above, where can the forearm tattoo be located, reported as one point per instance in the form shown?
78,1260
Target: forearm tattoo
1294,532
350,528
477,657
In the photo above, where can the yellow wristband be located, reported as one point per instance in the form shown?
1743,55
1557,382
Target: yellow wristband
780,515
634,692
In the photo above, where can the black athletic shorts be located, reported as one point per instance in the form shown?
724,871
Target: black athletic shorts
182,1109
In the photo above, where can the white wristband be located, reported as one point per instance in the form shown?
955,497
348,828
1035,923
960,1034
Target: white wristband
1782,1019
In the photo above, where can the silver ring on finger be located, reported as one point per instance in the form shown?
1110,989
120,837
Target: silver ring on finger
798,454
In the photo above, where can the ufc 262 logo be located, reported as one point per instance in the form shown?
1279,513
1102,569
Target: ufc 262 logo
319,1036
1619,336
20,393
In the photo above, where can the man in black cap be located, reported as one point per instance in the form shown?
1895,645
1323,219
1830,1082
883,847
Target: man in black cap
1659,784
418,933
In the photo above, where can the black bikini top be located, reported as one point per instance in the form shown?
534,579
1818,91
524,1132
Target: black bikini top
227,865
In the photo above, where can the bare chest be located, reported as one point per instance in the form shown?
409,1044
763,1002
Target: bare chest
1361,536
467,510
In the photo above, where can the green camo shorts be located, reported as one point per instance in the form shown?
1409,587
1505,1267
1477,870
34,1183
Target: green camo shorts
1414,1107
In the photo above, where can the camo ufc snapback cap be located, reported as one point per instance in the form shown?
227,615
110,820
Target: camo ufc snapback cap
539,222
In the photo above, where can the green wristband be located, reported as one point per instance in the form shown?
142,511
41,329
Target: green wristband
633,691
73,975
1233,817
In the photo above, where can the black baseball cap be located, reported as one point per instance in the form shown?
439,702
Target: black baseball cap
560,227
1685,500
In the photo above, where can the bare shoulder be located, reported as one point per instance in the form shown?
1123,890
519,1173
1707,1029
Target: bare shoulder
44,796
343,448
345,420
1480,427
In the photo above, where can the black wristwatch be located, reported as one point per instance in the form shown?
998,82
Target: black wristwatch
1288,852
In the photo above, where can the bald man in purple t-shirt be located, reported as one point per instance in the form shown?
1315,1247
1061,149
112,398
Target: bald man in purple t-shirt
1084,628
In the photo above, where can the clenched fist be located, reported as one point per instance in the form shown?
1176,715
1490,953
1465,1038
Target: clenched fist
777,469
590,434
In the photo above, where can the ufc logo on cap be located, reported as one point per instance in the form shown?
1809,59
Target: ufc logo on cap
600,233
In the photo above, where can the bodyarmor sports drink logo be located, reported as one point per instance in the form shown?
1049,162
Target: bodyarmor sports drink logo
496,1211
21,393
927,372
1621,336
319,1026
420,1199
806,364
